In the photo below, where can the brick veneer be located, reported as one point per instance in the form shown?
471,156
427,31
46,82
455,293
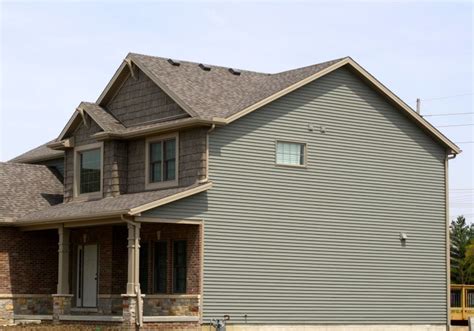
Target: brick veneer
28,261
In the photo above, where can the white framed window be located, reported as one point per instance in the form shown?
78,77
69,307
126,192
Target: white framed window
291,153
88,170
161,159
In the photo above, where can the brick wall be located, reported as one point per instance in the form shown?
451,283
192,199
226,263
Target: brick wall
113,255
22,269
170,233
141,100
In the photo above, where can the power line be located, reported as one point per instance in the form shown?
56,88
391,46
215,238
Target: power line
452,114
448,96
448,126
464,142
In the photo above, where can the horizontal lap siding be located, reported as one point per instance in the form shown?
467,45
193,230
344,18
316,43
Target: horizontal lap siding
321,244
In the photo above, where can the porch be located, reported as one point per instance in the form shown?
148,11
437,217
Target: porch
120,272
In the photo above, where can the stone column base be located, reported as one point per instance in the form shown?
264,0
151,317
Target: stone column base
130,309
6,311
61,306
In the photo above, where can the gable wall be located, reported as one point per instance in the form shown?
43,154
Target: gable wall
141,100
320,245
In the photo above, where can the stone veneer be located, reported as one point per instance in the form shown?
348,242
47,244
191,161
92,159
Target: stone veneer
171,305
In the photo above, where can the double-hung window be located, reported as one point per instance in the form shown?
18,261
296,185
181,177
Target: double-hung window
290,153
162,169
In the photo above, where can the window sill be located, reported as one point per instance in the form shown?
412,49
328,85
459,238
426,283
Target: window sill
161,185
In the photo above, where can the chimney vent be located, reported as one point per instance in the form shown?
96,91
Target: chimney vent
234,72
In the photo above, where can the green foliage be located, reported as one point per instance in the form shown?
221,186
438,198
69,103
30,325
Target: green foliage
462,251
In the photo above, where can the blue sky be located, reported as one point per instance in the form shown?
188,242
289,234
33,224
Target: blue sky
56,54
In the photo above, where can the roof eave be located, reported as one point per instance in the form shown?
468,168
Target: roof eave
435,133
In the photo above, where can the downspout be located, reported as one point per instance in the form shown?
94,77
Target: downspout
206,178
136,269
448,242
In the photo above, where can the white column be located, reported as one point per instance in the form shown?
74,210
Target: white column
131,260
63,260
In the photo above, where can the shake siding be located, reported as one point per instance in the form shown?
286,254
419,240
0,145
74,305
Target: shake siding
140,100
320,245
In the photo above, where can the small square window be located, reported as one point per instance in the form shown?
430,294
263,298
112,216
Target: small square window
289,153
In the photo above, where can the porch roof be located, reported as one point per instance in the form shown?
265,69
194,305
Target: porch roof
126,204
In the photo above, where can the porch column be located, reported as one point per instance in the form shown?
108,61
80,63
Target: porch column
62,300
131,260
63,261
132,303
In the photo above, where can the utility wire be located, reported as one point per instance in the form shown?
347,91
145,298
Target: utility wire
448,126
448,96
452,114
464,142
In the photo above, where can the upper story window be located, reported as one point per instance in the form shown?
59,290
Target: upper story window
88,169
162,161
290,153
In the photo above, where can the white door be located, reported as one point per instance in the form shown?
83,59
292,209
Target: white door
87,276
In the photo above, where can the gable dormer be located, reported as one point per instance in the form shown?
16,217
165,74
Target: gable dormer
137,100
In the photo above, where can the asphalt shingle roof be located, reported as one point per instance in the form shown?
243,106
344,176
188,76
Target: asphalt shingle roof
218,92
118,205
27,187
39,153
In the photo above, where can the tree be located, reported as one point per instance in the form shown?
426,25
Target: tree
462,251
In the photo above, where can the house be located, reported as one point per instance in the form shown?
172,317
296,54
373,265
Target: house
313,197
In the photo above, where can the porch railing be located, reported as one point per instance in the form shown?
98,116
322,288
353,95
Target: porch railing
462,302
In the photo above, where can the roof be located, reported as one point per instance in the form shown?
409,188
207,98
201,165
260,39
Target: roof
27,187
126,204
218,92
40,153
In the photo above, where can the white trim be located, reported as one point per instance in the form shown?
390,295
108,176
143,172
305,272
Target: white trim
33,317
92,318
171,198
76,181
170,318
162,184
14,296
172,296
151,219
289,141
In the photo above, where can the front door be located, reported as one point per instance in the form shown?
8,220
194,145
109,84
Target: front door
86,276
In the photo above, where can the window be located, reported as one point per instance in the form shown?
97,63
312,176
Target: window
144,267
289,153
160,266
179,267
88,169
162,162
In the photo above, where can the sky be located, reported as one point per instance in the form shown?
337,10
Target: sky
53,55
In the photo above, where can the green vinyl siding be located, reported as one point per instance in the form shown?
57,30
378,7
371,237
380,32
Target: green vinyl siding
320,244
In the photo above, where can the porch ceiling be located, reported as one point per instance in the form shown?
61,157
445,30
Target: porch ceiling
127,204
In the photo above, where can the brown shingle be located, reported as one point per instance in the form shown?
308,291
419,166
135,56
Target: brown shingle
40,153
27,187
112,205
218,92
